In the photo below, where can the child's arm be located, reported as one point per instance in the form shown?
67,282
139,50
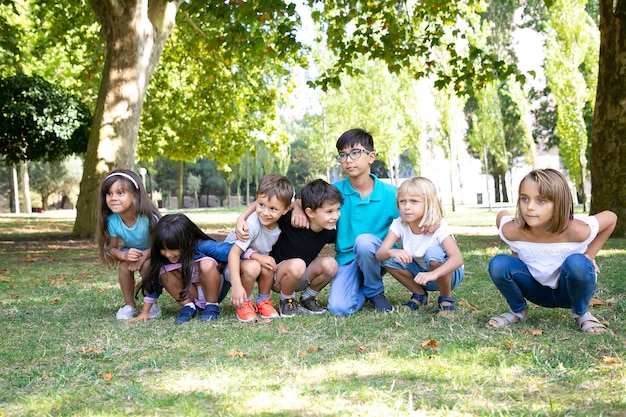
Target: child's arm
606,221
455,260
143,314
265,261
241,227
386,250
136,265
299,218
499,217
237,293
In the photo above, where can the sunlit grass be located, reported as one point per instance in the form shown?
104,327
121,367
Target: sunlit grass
64,354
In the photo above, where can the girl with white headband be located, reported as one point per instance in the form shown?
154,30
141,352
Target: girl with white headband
126,216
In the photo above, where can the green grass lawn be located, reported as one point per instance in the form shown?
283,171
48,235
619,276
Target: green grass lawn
62,353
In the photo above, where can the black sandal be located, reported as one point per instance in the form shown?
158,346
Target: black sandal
422,299
450,307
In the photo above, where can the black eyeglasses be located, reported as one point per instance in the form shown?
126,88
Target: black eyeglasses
354,154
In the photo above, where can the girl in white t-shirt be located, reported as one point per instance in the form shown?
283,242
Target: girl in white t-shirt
552,263
429,258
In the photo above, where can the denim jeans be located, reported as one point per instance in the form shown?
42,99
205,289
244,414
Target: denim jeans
576,285
434,254
357,280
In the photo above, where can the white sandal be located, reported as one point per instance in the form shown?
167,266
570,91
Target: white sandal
506,319
592,322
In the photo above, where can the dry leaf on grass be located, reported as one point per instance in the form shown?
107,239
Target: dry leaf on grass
396,324
236,354
432,343
282,329
508,344
315,349
361,348
91,350
107,376
466,304
533,332
610,360
4,279
596,302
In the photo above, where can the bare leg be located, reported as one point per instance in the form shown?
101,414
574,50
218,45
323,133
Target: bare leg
127,284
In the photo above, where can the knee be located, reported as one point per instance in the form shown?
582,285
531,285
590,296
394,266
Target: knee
578,266
329,266
498,266
366,244
207,266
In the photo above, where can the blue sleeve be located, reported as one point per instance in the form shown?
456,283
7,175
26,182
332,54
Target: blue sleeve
214,249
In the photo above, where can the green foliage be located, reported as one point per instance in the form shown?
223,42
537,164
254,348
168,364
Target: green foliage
410,35
40,122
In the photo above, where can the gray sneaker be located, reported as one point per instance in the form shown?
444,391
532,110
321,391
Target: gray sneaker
310,306
126,313
154,312
288,307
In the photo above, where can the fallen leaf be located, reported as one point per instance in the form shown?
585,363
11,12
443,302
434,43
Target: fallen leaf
302,353
508,344
91,350
107,376
361,348
596,302
315,349
4,279
466,304
283,329
384,352
432,343
396,324
236,354
54,301
611,360
533,332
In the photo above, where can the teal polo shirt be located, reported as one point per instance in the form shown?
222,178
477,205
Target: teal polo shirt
372,214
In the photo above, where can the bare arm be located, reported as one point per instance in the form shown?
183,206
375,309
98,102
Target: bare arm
499,217
607,221
241,227
386,250
454,261
238,293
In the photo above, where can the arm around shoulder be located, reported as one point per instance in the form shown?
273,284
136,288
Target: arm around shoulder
606,224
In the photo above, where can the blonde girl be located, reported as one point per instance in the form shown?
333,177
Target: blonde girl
429,258
126,215
552,261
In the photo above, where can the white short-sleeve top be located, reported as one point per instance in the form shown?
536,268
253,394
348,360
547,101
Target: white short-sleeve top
544,260
417,244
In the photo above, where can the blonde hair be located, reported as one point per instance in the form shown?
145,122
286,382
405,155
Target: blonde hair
423,187
553,187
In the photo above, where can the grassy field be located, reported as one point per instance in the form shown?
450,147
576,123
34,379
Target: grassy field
62,353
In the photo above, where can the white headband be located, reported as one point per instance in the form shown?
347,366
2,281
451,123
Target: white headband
121,174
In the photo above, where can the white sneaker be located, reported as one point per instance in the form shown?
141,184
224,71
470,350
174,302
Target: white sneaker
126,313
155,312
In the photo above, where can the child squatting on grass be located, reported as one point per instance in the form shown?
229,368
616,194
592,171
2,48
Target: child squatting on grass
273,199
187,262
125,217
552,263
427,261
298,266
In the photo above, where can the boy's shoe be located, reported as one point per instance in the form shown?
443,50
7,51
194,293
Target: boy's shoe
210,313
154,312
186,314
381,303
311,306
288,307
247,312
126,313
266,309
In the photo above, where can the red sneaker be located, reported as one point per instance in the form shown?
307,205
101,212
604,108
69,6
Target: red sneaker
266,309
247,312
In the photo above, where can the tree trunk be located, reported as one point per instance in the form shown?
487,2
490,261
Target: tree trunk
134,33
608,148
181,195
28,206
15,190
505,189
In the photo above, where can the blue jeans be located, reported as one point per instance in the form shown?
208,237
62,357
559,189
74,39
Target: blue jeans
434,254
576,285
357,280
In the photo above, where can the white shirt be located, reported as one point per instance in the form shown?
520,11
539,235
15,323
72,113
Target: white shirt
544,260
417,244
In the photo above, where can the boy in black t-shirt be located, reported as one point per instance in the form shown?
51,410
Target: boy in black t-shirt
298,266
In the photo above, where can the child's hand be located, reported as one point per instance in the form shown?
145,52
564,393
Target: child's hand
266,261
422,278
401,255
133,255
299,218
135,266
237,295
140,317
241,230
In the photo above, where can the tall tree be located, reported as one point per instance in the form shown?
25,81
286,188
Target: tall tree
135,33
608,148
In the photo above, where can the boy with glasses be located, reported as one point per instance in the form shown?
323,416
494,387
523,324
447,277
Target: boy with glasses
368,209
